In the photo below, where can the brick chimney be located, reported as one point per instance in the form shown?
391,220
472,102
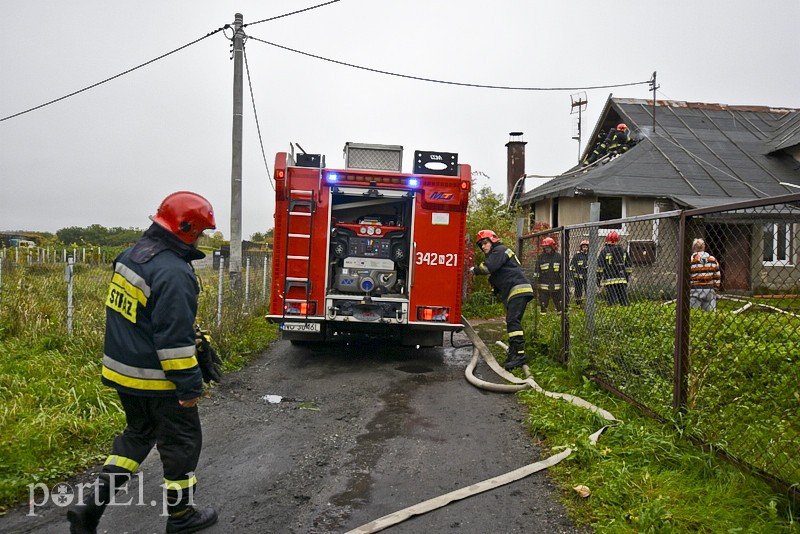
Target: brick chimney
516,161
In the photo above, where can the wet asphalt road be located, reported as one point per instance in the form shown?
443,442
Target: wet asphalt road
360,432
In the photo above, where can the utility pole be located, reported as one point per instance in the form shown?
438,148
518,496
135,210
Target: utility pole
653,88
235,265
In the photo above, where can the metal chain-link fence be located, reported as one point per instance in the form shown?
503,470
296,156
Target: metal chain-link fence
54,297
643,312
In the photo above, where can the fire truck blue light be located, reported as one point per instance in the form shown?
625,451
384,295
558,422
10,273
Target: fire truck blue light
332,177
413,182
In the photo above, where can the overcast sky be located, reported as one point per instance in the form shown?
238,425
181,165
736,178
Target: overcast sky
110,154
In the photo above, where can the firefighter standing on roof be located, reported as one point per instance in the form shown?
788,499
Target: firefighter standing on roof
149,357
548,275
578,266
509,281
613,270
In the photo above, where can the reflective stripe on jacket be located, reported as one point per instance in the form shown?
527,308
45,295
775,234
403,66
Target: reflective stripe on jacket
149,346
613,265
505,273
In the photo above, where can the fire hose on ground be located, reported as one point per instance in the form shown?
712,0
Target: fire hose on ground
479,350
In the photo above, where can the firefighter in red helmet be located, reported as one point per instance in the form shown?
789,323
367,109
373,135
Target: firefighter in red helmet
509,281
548,275
614,270
578,266
150,358
616,141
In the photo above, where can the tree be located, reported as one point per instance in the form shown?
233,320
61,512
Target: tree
260,237
488,211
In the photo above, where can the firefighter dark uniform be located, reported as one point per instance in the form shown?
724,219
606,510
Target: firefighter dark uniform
599,149
548,275
613,270
149,358
619,142
509,281
578,267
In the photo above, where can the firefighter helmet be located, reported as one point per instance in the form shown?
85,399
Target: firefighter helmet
622,127
549,242
612,237
486,234
585,242
186,215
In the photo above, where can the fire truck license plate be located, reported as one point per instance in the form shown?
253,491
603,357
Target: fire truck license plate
300,327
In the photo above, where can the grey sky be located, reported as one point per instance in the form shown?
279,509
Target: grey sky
110,154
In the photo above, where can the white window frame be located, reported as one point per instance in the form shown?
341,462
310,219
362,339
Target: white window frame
789,235
656,222
623,230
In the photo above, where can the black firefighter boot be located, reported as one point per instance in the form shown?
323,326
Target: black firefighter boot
516,355
190,519
84,517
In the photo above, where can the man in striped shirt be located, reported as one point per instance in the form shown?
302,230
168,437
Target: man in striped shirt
705,278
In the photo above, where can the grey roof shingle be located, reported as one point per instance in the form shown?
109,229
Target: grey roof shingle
699,155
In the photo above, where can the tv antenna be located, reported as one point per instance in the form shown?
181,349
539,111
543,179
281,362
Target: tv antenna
579,102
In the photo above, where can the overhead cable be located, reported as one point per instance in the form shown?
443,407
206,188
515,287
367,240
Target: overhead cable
288,14
162,56
461,84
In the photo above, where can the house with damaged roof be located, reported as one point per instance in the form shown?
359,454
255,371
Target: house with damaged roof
688,155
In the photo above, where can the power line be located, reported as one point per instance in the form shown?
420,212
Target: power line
162,56
288,14
461,84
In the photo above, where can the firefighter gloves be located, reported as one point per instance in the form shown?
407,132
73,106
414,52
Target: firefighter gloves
207,358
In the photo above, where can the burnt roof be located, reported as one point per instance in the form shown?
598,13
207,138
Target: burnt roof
699,155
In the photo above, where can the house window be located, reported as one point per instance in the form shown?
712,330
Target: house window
778,244
611,208
554,213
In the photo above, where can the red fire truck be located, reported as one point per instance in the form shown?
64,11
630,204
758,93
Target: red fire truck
368,251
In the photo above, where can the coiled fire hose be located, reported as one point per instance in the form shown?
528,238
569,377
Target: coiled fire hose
480,350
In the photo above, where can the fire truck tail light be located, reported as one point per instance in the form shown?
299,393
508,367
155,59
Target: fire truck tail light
465,185
280,174
432,313
300,308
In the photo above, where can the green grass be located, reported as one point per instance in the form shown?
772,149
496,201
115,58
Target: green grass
642,475
56,418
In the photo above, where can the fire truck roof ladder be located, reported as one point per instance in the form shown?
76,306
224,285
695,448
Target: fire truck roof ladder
299,230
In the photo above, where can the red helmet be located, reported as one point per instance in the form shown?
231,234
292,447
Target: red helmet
622,127
585,242
612,237
549,242
186,215
486,234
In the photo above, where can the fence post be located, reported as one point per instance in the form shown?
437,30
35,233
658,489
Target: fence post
68,279
219,290
682,363
565,255
247,284
2,257
591,269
